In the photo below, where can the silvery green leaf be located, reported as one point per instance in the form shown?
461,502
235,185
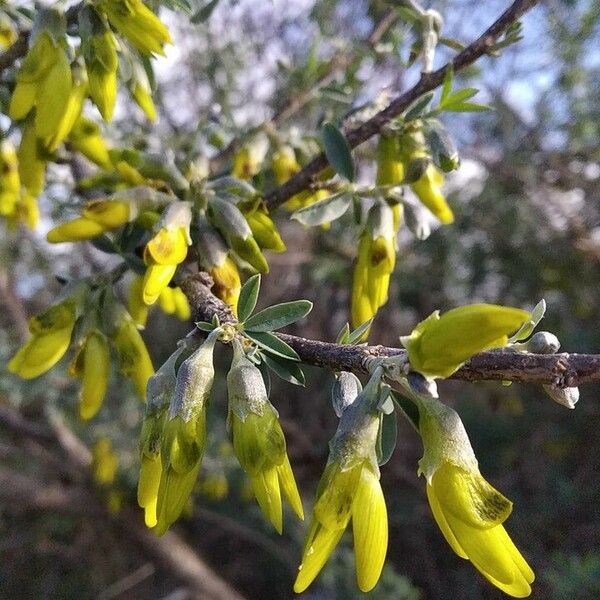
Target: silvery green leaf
204,326
537,314
248,297
342,336
204,13
278,316
386,437
356,335
344,391
286,369
447,83
443,150
407,408
416,169
324,211
417,108
337,150
266,374
271,343
385,404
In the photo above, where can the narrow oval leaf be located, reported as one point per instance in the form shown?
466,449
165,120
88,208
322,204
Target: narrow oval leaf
324,211
386,437
418,107
271,343
204,13
248,297
337,150
285,369
278,316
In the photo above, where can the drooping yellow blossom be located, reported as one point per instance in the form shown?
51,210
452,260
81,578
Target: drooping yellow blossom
97,217
390,168
10,182
141,92
44,79
438,346
105,462
374,265
167,249
258,440
71,114
51,336
86,138
227,282
136,306
246,163
99,48
138,24
264,230
467,509
284,164
184,434
350,490
134,360
160,390
32,162
428,185
92,365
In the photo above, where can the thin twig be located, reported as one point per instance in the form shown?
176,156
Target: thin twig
555,369
428,82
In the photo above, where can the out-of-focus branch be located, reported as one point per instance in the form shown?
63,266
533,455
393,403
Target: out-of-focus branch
340,61
563,369
428,82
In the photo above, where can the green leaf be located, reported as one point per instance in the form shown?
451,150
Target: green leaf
324,211
204,13
537,314
266,374
447,83
343,335
408,408
286,369
467,107
442,148
105,244
248,297
460,95
452,43
204,326
356,335
271,343
182,5
418,107
278,316
386,437
337,150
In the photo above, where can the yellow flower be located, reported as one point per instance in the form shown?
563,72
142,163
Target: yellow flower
99,49
32,163
390,168
141,92
246,163
44,79
227,284
97,217
136,22
166,250
92,366
182,307
8,32
105,462
51,336
284,164
264,230
468,510
135,362
374,265
470,513
350,490
26,211
86,138
184,434
438,346
258,440
10,182
428,190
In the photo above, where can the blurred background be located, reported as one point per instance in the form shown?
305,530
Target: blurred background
527,201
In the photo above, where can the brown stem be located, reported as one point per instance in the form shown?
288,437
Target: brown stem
428,82
558,369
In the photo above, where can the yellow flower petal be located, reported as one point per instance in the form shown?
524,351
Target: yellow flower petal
40,353
96,371
289,487
182,306
167,247
266,489
443,523
74,231
370,529
148,484
166,301
108,213
156,279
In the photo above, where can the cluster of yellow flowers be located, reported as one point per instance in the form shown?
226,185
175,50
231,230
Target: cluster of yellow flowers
75,321
50,92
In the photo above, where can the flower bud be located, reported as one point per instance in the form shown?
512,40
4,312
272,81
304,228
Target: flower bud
264,230
284,164
390,168
374,265
86,138
51,336
92,365
136,22
568,396
32,164
542,342
439,346
141,91
258,440
99,48
228,219
346,388
184,433
10,183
